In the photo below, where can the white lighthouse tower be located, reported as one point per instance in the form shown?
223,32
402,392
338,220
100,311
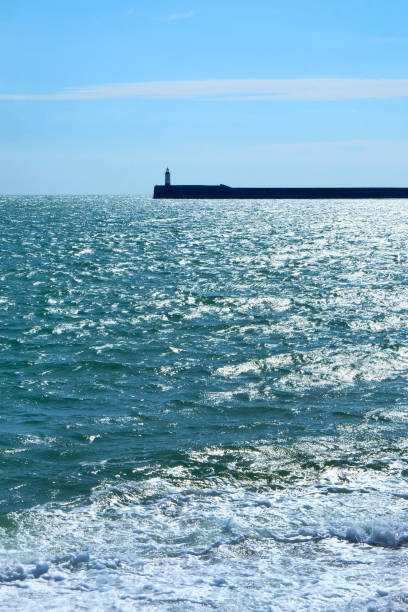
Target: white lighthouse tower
167,178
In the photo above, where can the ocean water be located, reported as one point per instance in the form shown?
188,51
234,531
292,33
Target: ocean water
204,404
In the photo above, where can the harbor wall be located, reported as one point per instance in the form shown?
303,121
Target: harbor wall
281,193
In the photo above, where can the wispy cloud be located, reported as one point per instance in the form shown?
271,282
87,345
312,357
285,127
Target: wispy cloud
356,144
233,89
348,147
177,16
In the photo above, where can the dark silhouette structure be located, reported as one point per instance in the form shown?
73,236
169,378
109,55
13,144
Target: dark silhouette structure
223,192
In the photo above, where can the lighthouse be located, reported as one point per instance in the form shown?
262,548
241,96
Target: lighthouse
167,178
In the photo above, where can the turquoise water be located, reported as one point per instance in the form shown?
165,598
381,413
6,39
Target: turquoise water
203,404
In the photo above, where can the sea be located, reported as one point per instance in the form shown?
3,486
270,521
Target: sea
203,404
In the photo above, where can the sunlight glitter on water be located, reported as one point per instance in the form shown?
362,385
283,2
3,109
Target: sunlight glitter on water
204,404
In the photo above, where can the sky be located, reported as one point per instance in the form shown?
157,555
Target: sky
99,96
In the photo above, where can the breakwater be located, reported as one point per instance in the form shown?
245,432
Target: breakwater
223,192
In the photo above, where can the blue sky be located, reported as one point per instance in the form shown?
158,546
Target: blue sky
99,96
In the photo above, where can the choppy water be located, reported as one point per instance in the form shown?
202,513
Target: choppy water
203,404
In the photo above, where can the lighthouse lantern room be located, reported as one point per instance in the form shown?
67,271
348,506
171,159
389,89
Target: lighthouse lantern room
167,178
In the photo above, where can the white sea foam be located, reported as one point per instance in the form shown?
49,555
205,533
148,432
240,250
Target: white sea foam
157,544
